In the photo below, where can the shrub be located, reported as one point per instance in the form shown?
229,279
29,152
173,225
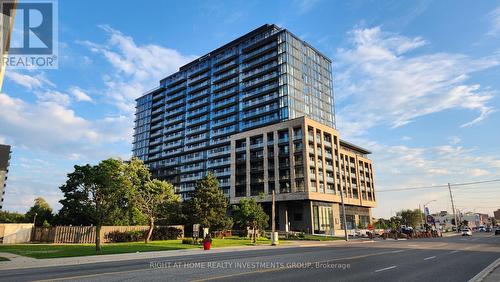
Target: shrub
127,236
166,233
188,241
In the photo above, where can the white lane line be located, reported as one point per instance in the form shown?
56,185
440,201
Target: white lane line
398,251
455,251
387,268
430,258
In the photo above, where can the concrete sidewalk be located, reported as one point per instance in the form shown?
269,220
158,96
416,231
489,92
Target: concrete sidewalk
17,261
489,274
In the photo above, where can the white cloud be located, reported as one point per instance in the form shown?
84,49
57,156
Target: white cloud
137,68
28,81
494,17
53,96
454,140
80,94
382,80
48,125
404,166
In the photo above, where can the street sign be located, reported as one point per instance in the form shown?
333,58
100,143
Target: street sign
430,219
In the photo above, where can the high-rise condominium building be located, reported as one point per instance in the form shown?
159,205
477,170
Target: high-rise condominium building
4,169
183,128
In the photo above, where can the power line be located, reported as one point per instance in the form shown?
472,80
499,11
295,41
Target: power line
440,186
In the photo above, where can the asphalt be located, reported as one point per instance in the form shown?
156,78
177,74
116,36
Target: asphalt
434,259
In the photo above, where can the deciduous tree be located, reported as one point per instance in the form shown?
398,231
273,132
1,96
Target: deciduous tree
248,213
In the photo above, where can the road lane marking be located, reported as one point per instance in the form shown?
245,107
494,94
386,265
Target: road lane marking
384,269
279,269
398,251
455,251
430,258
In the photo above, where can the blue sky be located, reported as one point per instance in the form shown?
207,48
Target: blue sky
416,83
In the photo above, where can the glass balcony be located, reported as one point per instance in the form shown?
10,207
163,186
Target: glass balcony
218,163
222,122
174,112
225,93
199,86
197,129
260,50
196,138
197,95
176,96
225,83
195,146
173,128
260,79
260,100
198,78
197,112
225,56
174,119
261,110
225,66
173,136
197,103
225,74
196,120
226,111
175,88
223,103
258,90
260,60
259,70
175,104
223,131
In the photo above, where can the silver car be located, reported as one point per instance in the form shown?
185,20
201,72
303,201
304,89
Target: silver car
466,232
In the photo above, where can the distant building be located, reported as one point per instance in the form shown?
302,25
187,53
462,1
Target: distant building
497,214
4,169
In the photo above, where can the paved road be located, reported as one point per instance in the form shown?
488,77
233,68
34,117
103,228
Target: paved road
438,259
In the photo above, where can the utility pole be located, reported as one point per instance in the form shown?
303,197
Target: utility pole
273,225
421,219
453,207
343,215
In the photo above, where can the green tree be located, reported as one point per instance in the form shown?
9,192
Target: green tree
410,217
151,197
248,213
208,205
97,191
381,224
13,217
40,211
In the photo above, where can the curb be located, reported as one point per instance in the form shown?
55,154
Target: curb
485,272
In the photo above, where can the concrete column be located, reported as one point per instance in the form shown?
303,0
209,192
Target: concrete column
266,171
248,178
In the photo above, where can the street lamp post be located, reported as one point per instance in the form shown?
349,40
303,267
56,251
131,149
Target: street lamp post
424,209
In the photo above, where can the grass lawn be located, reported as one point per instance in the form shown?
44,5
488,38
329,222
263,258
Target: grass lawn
42,251
4,259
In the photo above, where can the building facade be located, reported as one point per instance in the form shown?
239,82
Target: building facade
265,81
308,166
183,127
4,169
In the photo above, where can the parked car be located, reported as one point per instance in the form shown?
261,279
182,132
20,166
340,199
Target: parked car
466,232
488,229
481,229
497,231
